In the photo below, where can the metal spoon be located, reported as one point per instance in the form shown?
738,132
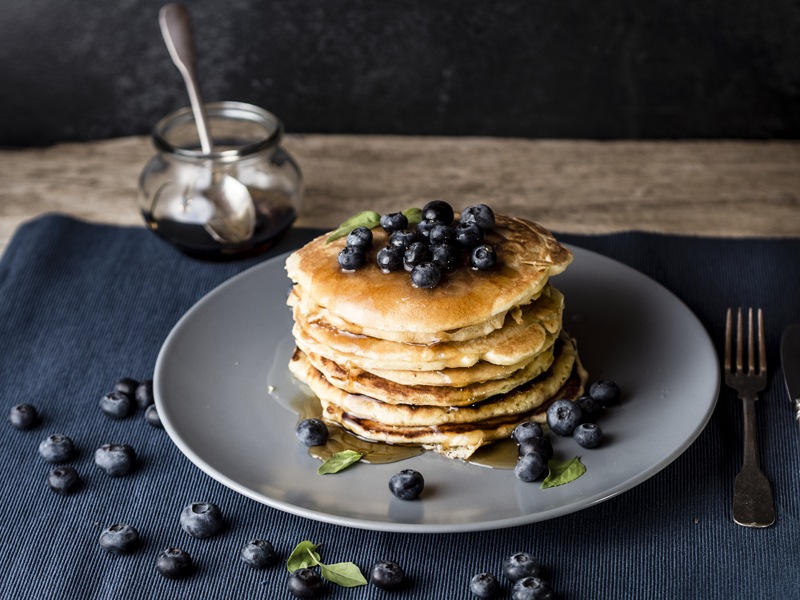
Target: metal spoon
234,217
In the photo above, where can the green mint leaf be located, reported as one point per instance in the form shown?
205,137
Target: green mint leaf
345,574
340,461
367,218
414,215
563,471
303,556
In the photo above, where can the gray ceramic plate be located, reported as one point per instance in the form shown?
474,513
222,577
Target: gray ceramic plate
211,389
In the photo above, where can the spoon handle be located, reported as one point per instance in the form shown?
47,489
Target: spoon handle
176,27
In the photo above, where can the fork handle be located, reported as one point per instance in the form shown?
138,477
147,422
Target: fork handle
750,449
752,495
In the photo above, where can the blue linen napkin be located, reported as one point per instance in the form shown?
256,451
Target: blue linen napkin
82,305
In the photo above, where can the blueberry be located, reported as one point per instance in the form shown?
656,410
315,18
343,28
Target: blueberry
126,386
441,234
64,480
394,222
115,460
152,417
360,237
312,432
144,393
484,585
588,435
605,392
387,575
563,416
590,408
258,554
119,538
116,405
403,238
539,445
407,484
438,210
445,256
424,229
530,466
352,258
532,588
521,565
468,235
480,214
56,448
174,563
305,583
415,254
483,258
526,431
426,275
23,416
201,519
390,258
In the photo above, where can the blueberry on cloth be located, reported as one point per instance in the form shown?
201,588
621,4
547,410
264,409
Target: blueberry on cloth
530,466
484,586
532,588
416,254
605,392
468,235
445,256
305,583
115,460
394,222
152,417
352,258
360,237
521,565
64,480
588,435
258,554
56,448
426,275
525,431
387,575
563,416
441,234
538,445
438,210
127,386
483,258
480,214
144,393
116,405
407,484
201,519
390,258
23,416
403,238
119,538
590,408
174,563
312,432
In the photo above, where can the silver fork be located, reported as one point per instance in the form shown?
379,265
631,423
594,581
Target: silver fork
752,496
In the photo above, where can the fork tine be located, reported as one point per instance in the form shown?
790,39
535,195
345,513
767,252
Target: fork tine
762,344
728,331
751,358
739,346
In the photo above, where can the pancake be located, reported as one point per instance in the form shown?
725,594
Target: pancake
527,256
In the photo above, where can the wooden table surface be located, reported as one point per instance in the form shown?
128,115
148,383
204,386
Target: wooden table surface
715,188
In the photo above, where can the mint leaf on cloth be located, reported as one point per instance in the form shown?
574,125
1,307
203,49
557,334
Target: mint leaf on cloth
303,556
346,574
563,471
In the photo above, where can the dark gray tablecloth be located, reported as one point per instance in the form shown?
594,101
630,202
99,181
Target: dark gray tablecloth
82,305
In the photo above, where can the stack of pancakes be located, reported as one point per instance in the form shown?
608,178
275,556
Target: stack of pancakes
450,368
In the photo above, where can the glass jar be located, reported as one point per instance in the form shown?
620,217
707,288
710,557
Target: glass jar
174,183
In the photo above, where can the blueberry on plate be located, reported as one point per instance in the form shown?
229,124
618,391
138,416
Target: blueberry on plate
426,275
417,253
56,448
438,210
532,588
152,417
115,460
174,563
352,258
116,405
360,237
407,484
312,432
258,554
605,392
305,583
441,234
526,431
144,393
390,258
521,565
483,258
394,222
480,214
484,586
588,435
530,466
563,416
201,519
590,408
64,480
23,416
539,445
445,256
127,386
387,575
468,235
403,238
119,538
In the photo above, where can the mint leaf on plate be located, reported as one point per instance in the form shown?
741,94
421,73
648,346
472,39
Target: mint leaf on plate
563,471
340,461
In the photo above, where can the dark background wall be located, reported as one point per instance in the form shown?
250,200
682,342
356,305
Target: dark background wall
89,69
